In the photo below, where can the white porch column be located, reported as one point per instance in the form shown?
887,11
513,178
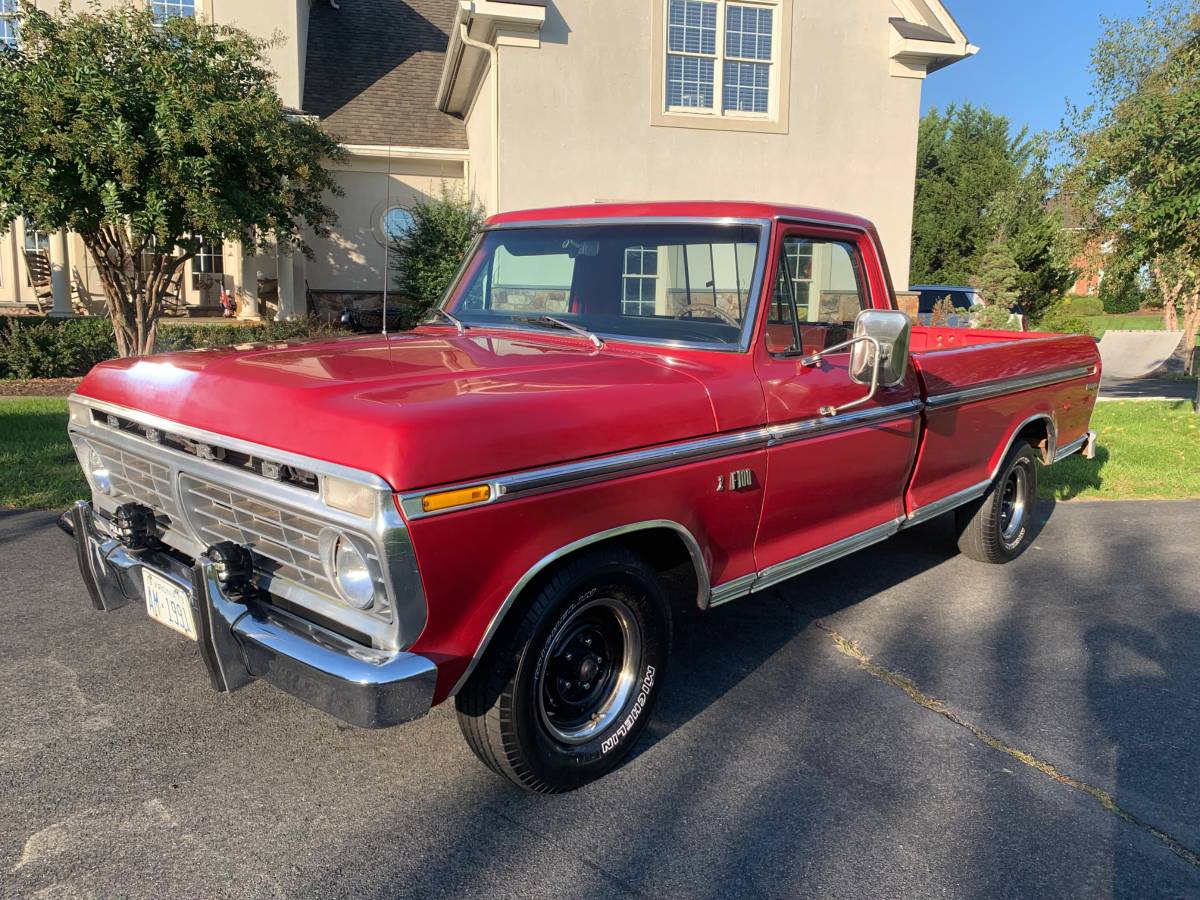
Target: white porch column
247,283
292,298
60,274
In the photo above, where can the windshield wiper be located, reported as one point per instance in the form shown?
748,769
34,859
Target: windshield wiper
451,318
559,323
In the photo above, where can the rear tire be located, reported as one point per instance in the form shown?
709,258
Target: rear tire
996,528
561,698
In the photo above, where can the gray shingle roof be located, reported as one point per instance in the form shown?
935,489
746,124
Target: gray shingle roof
372,72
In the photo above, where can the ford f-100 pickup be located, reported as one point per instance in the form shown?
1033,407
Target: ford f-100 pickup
614,407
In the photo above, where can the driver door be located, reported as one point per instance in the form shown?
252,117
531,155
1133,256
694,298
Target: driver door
830,478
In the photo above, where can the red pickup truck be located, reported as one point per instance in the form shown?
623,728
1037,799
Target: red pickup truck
616,406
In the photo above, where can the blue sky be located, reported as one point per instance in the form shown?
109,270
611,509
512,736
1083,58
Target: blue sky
1033,56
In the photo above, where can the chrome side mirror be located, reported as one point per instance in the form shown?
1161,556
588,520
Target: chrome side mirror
892,330
878,353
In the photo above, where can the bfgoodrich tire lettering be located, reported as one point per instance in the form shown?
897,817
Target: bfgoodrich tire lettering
563,695
996,528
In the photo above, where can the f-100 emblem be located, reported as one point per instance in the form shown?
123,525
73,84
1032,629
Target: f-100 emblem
739,480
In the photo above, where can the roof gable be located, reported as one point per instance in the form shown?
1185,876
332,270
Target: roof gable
372,71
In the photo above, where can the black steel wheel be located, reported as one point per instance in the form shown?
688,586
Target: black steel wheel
562,695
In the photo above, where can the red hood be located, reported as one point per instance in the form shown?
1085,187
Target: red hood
420,408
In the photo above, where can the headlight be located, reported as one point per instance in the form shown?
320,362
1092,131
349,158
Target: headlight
351,574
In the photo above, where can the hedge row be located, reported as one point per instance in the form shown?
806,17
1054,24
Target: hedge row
65,348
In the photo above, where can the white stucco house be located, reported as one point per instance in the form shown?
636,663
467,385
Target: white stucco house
546,102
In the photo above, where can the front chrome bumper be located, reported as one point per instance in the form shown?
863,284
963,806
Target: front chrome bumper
241,640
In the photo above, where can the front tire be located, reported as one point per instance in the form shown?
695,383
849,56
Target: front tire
996,529
559,700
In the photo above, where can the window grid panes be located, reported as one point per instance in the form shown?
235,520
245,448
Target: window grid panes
8,23
170,9
34,239
639,282
691,53
718,49
209,264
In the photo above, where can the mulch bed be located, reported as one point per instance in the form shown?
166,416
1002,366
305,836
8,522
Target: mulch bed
38,387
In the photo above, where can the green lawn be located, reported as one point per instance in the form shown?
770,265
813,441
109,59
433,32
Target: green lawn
1146,450
37,466
1129,322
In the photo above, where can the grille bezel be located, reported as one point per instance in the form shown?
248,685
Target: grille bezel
385,532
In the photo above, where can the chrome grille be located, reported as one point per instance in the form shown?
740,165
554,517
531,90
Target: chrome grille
285,544
135,477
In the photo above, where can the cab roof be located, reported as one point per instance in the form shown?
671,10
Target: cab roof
716,209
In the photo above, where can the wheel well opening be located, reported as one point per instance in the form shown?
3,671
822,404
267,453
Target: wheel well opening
1037,435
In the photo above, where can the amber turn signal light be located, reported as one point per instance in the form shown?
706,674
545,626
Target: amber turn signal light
459,497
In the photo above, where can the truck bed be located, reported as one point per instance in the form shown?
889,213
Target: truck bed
982,389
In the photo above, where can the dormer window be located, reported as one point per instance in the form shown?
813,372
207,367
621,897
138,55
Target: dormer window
722,64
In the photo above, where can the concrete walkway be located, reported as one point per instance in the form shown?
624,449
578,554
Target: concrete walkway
1148,389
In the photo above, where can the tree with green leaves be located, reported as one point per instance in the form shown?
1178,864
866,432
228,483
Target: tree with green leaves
146,139
1137,151
430,252
998,275
976,183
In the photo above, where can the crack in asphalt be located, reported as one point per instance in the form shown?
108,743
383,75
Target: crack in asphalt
849,648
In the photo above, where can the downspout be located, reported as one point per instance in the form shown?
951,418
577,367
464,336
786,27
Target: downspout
494,62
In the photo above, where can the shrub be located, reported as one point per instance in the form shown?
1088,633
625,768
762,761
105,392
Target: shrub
1082,306
427,257
1061,320
1121,293
48,349
65,348
993,318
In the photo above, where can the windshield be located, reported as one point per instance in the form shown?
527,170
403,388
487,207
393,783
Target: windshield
669,282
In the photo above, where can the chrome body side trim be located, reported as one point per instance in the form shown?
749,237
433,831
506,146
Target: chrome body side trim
773,575
385,530
731,590
535,481
1082,443
1007,386
797,565
703,587
878,415
241,640
937,507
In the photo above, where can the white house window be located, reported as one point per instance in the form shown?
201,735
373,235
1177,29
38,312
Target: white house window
208,265
8,23
34,239
721,57
172,9
397,222
639,281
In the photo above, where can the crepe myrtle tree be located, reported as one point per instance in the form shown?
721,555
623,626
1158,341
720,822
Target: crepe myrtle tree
146,139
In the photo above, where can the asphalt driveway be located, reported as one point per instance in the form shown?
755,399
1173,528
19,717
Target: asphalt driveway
901,723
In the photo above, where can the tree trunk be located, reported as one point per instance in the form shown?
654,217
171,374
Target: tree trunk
134,297
1191,326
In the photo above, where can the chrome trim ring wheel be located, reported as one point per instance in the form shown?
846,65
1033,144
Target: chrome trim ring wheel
997,527
589,671
1013,496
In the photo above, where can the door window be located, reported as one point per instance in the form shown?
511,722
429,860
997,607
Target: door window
819,290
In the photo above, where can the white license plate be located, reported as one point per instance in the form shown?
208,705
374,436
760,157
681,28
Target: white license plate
168,603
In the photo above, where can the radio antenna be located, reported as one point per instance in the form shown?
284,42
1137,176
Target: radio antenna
387,240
